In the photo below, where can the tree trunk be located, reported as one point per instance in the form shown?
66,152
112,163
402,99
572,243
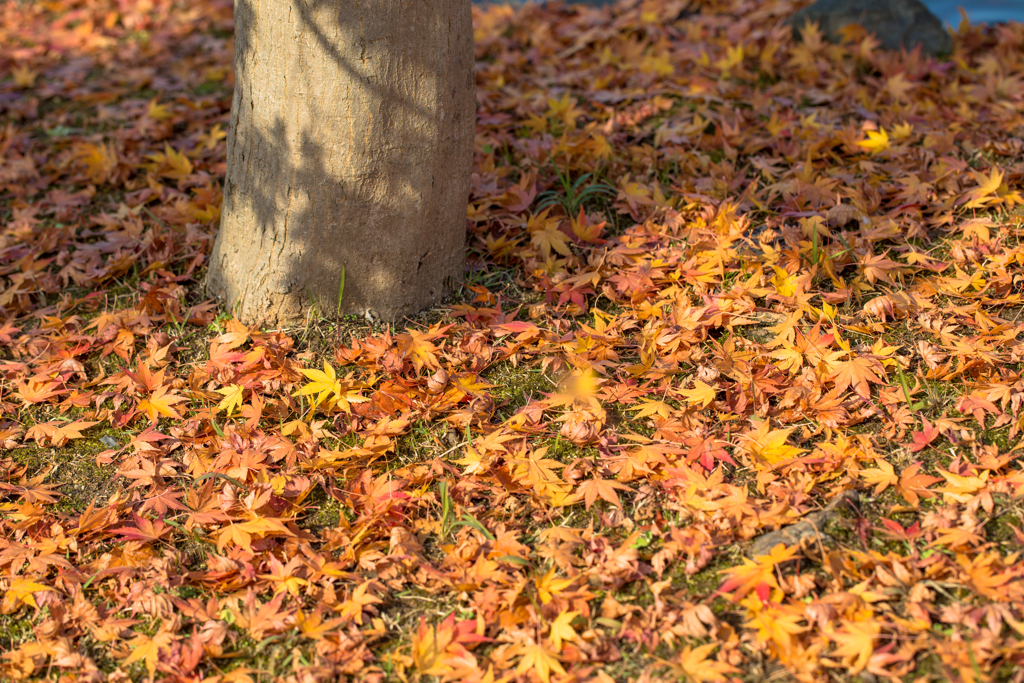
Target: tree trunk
349,158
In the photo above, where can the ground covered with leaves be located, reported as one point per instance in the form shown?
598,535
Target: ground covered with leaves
732,390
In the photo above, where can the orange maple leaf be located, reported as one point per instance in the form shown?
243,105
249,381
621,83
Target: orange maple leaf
857,372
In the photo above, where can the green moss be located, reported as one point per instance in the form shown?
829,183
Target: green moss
15,629
73,472
271,658
705,582
515,386
325,512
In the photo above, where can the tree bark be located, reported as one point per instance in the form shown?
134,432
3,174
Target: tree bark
349,158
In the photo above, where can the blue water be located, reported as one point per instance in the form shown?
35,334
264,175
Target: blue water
978,11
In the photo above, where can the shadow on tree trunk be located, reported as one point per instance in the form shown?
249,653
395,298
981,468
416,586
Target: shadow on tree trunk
348,158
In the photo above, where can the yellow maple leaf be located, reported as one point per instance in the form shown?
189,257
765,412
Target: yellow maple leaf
987,190
99,160
651,407
769,445
24,77
21,592
881,477
702,394
856,642
785,284
733,58
878,141
961,489
232,400
146,649
536,658
549,586
562,630
157,111
902,130
695,665
547,237
325,384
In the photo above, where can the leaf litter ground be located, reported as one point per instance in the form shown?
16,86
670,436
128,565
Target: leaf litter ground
732,390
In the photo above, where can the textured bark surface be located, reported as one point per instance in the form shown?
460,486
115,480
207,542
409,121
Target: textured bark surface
350,146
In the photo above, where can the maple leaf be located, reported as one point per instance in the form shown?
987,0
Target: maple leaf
338,394
37,391
418,347
694,665
856,642
546,235
549,586
913,484
144,530
878,141
959,488
157,111
881,477
785,284
241,534
171,164
702,394
538,659
58,433
21,592
857,372
561,629
143,648
923,438
592,489
352,609
99,160
756,572
159,403
24,76
652,407
236,335
985,192
324,384
769,445
232,400
314,626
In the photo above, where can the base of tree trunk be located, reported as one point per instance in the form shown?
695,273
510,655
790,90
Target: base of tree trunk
349,158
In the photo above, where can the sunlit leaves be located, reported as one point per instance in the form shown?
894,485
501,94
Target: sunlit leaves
538,659
561,630
701,395
57,433
232,400
21,591
160,404
146,649
755,573
858,373
769,445
328,389
720,284
877,141
695,664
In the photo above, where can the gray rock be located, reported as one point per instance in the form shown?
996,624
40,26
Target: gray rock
896,23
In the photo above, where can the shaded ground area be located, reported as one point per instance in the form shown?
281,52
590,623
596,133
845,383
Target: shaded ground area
732,390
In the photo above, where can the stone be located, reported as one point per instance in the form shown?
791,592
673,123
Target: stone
896,23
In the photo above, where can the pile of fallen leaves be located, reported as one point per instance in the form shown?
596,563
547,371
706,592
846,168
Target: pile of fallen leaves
732,391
